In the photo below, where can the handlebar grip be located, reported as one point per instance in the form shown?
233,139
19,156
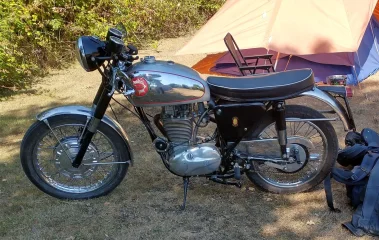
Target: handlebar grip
132,49
126,57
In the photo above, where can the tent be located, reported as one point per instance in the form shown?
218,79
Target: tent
335,42
357,66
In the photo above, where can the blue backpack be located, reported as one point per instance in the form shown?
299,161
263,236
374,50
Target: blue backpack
362,181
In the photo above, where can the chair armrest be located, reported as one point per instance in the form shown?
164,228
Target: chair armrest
256,67
265,56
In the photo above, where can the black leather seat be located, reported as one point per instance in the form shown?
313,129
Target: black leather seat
272,86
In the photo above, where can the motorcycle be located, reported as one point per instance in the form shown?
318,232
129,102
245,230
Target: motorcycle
76,152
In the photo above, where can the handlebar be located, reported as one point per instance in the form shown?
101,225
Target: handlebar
122,57
127,57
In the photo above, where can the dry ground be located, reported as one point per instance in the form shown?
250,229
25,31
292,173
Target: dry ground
145,205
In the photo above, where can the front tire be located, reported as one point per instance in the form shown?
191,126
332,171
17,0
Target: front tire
327,132
46,163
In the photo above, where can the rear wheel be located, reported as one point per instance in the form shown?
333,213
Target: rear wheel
315,162
46,157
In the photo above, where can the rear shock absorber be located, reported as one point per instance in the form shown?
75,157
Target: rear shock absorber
281,127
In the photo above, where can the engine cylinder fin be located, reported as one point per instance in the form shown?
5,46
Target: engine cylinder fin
178,130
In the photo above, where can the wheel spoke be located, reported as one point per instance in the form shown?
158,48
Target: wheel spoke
108,155
298,129
56,168
316,157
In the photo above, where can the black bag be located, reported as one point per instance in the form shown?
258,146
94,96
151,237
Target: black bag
362,182
366,217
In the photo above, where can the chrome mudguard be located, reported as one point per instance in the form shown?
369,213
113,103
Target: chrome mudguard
333,103
84,111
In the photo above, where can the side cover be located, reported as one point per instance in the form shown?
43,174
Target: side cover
235,120
84,111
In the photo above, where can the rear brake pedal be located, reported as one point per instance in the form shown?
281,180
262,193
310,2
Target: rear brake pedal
223,181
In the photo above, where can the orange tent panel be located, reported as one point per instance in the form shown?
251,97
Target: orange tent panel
376,11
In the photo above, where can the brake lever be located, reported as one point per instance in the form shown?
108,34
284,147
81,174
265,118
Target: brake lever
127,89
112,91
129,92
114,82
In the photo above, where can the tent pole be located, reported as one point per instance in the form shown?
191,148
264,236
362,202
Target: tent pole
289,58
373,35
356,76
276,60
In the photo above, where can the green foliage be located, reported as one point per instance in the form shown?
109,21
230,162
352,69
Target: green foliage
39,34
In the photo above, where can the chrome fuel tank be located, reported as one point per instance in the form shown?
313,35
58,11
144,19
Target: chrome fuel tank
162,83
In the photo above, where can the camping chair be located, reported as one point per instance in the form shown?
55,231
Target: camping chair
243,65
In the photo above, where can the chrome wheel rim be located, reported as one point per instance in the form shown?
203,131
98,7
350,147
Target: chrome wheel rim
53,159
316,156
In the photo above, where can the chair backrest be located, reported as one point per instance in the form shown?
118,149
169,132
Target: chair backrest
235,52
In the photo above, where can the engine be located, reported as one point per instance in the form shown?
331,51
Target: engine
185,157
178,123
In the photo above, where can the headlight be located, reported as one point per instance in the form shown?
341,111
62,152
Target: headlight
86,49
79,53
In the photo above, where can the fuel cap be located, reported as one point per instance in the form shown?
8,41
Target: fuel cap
149,59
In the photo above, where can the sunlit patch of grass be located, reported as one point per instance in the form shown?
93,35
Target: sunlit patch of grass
12,125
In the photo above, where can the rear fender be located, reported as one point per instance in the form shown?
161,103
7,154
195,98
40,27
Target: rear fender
337,107
84,111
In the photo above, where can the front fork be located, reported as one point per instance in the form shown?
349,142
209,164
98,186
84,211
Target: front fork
281,126
100,105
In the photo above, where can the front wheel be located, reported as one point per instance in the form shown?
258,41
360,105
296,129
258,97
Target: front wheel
316,162
46,157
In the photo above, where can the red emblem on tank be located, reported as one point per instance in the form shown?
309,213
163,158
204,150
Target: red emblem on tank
141,86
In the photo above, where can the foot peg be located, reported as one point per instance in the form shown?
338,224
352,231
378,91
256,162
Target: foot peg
185,188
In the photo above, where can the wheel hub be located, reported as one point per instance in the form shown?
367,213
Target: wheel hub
298,158
64,163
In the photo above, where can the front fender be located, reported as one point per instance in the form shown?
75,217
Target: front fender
334,104
84,111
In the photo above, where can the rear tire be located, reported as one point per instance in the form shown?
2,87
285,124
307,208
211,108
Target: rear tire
34,141
296,111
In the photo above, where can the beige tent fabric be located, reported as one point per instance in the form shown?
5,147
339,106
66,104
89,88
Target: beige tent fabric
288,26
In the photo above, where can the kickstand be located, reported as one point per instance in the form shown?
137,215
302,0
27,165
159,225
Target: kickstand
185,188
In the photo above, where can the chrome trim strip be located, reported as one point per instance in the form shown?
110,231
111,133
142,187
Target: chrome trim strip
84,111
333,103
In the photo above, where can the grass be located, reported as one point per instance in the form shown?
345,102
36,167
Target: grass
146,204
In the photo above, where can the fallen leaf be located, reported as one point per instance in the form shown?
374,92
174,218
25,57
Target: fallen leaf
310,222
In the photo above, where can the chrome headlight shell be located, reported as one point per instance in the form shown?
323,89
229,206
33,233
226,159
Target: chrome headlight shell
87,48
